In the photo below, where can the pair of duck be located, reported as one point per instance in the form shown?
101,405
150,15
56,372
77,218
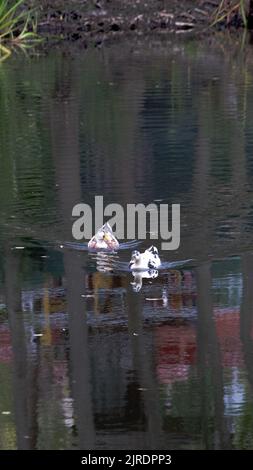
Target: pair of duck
105,240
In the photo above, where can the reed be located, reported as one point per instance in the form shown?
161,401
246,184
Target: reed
229,8
17,26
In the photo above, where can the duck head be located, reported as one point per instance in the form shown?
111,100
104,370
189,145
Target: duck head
135,259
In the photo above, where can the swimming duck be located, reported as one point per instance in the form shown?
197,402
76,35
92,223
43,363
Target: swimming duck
144,261
104,239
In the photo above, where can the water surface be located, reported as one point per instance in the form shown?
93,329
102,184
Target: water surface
85,360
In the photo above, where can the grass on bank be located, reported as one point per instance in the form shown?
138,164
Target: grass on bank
17,26
227,9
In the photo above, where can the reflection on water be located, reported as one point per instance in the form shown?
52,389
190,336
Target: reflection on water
93,356
86,362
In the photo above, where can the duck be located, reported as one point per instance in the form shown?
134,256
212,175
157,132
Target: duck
104,239
145,261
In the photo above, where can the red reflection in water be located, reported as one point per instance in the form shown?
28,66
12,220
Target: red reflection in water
228,332
176,351
5,344
176,346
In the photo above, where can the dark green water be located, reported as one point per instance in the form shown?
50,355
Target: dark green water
86,362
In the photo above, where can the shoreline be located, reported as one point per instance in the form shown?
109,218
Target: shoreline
102,20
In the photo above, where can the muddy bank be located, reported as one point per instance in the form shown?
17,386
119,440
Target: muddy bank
100,20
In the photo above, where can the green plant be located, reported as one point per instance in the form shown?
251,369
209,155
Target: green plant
17,26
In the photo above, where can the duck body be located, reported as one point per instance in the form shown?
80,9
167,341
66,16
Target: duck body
104,239
145,261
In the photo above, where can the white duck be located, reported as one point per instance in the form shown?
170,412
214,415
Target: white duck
145,261
104,239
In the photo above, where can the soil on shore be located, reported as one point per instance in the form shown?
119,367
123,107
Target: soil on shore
99,20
